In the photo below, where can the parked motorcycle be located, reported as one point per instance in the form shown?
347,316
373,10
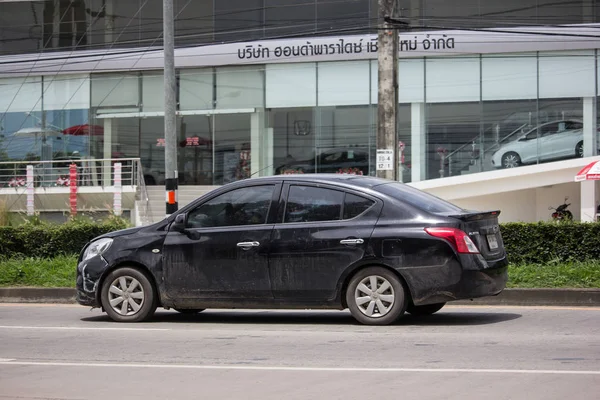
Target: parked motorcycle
561,213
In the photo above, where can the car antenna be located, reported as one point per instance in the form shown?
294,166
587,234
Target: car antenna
260,170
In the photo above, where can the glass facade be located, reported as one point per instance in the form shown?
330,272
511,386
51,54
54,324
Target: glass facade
48,25
456,115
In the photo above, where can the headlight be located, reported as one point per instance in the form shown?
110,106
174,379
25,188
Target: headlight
96,248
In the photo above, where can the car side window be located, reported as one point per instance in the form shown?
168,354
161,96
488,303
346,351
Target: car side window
355,205
244,206
550,129
312,204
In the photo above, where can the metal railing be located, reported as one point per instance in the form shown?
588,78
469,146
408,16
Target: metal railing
468,153
57,173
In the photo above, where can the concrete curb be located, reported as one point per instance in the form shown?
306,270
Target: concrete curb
37,295
509,297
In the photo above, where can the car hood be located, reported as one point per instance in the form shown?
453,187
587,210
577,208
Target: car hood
121,232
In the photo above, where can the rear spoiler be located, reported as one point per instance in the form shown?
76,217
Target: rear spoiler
475,215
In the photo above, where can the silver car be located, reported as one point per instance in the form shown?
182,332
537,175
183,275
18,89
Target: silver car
552,140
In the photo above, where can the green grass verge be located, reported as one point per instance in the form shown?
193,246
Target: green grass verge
60,272
565,275
40,272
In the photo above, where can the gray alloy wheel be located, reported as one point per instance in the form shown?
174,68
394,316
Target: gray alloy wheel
375,296
579,150
128,296
511,160
426,309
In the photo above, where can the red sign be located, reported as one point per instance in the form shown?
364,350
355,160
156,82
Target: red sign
192,141
160,142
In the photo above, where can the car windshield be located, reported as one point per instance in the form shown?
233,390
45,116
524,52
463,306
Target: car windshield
418,198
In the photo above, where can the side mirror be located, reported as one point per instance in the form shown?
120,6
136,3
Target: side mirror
179,223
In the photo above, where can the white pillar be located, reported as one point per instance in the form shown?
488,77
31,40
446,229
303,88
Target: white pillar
30,191
590,148
117,198
588,201
418,137
106,167
590,132
261,155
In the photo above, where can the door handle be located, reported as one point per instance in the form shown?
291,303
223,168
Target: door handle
248,245
352,241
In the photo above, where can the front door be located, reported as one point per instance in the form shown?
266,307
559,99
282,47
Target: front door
222,253
321,232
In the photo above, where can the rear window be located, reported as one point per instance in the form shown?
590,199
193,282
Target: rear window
418,198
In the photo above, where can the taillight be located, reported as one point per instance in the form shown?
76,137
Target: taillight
461,242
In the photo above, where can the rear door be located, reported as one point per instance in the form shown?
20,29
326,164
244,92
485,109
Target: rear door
321,231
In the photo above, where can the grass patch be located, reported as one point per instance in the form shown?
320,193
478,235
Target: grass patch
61,271
564,275
39,272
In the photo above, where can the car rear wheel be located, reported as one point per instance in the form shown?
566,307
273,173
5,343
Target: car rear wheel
579,150
426,309
128,296
375,296
189,310
511,160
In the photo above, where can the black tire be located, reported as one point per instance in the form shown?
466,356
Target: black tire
426,309
144,291
395,308
510,160
579,150
189,310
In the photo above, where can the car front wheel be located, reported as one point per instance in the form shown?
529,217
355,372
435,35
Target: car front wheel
511,160
375,296
128,296
579,150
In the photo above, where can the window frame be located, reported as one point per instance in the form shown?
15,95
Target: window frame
271,212
285,192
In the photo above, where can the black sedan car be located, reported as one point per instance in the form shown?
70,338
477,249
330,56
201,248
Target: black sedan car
377,247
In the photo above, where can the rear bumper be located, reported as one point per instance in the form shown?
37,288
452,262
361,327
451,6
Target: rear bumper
454,282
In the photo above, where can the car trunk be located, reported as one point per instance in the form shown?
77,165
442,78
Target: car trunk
484,231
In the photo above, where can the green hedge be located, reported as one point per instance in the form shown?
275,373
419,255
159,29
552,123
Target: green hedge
525,243
547,242
51,240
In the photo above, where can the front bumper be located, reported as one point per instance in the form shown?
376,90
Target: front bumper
89,273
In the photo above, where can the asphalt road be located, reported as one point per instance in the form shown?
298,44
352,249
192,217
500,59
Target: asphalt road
70,352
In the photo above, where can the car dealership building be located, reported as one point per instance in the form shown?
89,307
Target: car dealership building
274,86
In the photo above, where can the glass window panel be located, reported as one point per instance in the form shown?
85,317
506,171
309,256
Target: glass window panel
195,155
355,205
411,80
196,89
238,20
246,206
114,90
20,94
289,17
232,147
66,92
240,87
506,77
566,74
294,138
312,204
343,83
342,15
291,85
194,23
153,92
452,79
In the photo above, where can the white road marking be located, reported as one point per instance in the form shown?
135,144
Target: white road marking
4,360
80,328
299,369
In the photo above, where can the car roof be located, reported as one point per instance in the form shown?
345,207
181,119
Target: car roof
345,179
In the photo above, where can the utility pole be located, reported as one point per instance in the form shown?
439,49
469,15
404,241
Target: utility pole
171,175
387,99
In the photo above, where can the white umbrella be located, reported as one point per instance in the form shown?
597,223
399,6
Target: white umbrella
35,131
590,172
